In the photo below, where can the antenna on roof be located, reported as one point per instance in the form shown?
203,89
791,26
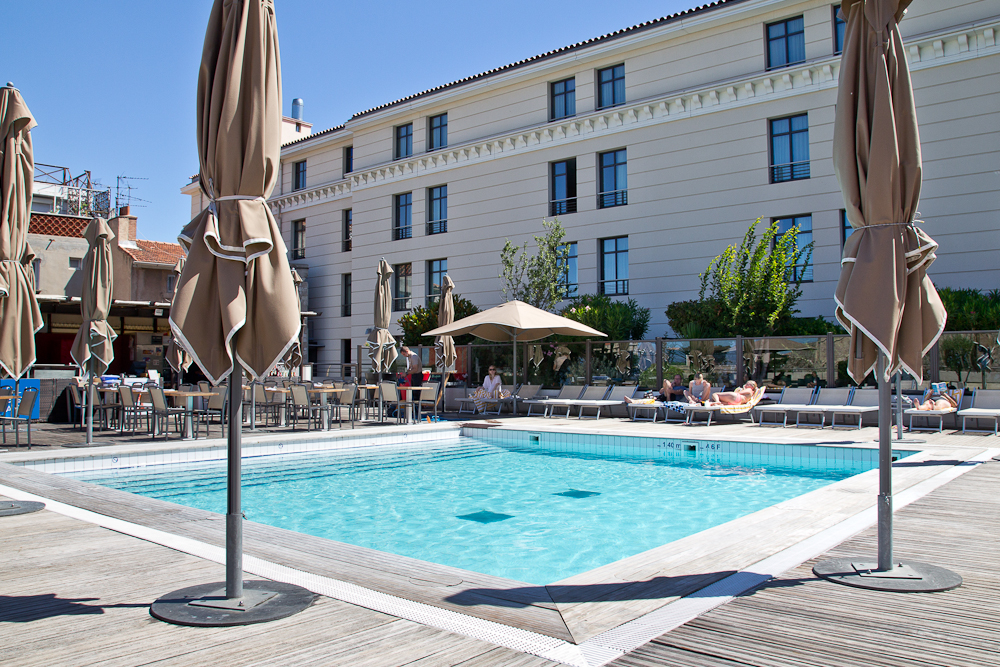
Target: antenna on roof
123,192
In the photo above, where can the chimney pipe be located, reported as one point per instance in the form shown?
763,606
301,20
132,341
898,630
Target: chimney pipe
123,210
297,105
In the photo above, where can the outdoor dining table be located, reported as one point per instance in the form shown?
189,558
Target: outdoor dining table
188,397
323,392
409,406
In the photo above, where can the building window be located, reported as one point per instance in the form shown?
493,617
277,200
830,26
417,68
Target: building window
402,219
402,287
437,210
348,160
298,239
614,266
838,30
76,263
170,283
562,96
845,230
562,187
569,276
436,268
437,132
404,141
614,179
345,295
347,231
36,266
803,269
786,43
790,148
299,175
345,351
611,86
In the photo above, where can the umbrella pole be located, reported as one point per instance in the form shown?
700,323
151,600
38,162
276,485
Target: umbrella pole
884,467
234,515
90,406
514,376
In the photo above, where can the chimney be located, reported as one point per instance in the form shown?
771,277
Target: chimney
124,227
297,106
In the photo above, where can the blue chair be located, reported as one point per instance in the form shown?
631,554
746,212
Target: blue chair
25,408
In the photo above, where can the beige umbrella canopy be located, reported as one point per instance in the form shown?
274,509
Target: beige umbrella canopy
235,297
20,317
178,358
381,344
92,349
445,345
884,297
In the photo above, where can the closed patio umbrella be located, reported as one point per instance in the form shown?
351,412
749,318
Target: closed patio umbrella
515,321
20,317
444,346
235,301
381,344
293,358
93,349
179,359
884,297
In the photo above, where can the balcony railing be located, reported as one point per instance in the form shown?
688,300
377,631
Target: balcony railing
613,198
345,310
348,244
437,227
613,287
298,253
399,233
402,303
793,171
562,206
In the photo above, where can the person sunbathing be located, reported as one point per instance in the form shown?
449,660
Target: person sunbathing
666,392
738,397
698,391
939,402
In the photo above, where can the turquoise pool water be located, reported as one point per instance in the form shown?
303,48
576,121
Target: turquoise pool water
520,510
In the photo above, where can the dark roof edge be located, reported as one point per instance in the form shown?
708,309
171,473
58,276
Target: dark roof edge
315,134
550,54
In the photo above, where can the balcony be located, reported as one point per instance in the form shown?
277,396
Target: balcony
612,198
437,227
562,206
793,171
399,233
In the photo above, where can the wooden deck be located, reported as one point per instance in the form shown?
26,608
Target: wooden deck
798,619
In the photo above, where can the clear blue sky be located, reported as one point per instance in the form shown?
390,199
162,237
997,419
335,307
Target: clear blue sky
112,83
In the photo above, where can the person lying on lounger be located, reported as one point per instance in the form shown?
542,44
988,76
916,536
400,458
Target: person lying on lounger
738,397
938,402
698,391
667,392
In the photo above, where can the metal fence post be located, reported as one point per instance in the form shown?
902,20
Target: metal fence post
935,359
586,364
740,370
831,362
659,361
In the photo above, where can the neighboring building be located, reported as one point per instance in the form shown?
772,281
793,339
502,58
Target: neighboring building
655,146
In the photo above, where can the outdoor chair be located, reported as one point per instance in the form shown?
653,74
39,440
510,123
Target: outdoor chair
617,396
827,397
163,412
862,402
792,399
216,407
470,399
569,392
132,412
390,394
428,399
523,393
592,398
985,405
203,385
25,407
956,394
349,400
301,406
76,407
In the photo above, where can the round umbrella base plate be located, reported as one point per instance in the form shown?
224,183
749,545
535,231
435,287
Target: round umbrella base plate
15,507
206,605
84,444
905,576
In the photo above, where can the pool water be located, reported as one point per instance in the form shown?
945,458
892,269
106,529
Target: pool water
523,511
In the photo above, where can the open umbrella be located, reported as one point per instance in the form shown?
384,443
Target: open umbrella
444,346
381,344
514,321
235,301
179,359
884,297
92,349
20,317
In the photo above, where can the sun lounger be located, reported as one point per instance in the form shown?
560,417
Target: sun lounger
792,399
470,399
525,392
569,392
985,405
862,402
740,409
828,397
617,397
931,414
593,398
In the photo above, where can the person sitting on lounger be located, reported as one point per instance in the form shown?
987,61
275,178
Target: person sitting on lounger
738,397
491,390
668,392
698,391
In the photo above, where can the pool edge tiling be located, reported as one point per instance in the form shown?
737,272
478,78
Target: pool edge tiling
573,610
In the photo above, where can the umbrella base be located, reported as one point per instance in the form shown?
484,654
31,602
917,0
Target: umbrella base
206,605
15,507
904,577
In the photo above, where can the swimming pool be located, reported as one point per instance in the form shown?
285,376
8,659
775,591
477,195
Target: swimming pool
533,507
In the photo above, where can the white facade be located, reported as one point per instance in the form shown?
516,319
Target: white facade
695,126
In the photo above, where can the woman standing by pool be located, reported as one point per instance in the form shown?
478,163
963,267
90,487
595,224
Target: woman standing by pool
491,390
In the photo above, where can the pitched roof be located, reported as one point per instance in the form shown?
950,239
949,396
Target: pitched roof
155,252
53,224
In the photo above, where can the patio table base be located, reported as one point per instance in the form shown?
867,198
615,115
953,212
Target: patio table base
206,605
904,577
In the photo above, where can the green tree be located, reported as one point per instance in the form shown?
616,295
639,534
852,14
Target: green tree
540,279
422,319
750,289
971,309
620,320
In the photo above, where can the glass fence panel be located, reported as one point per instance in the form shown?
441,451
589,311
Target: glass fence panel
970,360
623,362
786,362
553,364
483,356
